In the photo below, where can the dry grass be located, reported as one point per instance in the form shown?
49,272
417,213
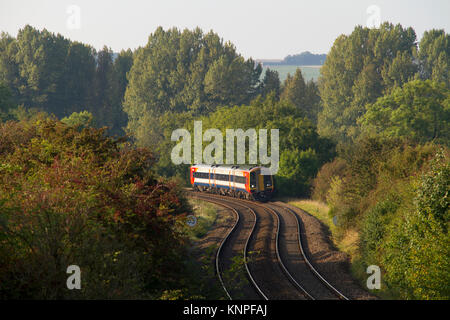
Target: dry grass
317,209
347,242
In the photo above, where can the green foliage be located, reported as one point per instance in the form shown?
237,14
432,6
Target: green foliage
82,119
433,198
374,227
394,193
365,72
302,150
109,84
297,168
305,96
206,214
6,102
419,110
35,66
360,68
434,56
55,75
326,174
235,276
271,82
180,71
417,258
77,197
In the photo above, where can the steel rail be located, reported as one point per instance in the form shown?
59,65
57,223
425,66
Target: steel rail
270,209
277,236
207,197
305,257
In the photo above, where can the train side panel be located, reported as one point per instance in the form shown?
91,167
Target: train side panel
248,184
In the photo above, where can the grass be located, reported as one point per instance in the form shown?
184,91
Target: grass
200,266
206,214
346,242
308,72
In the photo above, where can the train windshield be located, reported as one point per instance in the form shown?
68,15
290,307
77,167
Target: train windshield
267,180
252,179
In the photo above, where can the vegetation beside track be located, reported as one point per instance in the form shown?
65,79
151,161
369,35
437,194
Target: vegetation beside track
206,214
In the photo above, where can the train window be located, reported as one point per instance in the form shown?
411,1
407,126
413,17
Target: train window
267,180
221,177
238,179
201,175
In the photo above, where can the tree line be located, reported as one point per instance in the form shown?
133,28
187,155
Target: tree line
367,65
374,82
370,138
50,73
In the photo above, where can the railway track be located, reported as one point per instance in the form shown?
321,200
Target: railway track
240,235
282,270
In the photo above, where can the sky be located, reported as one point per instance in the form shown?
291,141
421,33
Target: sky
260,29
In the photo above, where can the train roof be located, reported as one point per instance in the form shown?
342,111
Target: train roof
227,166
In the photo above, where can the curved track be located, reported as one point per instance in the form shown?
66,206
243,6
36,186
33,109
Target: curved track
281,268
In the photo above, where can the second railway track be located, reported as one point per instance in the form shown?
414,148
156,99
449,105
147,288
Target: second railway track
281,269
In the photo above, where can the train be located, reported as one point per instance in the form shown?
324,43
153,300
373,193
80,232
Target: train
239,181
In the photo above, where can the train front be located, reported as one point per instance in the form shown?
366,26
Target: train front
261,186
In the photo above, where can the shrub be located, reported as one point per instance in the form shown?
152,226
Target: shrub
417,258
77,197
328,172
297,168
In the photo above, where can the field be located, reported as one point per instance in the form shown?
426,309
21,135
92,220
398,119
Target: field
308,72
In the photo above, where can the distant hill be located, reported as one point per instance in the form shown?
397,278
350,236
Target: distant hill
302,59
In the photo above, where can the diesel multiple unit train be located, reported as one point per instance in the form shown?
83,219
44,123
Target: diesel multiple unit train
244,182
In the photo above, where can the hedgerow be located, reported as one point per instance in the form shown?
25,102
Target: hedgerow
71,196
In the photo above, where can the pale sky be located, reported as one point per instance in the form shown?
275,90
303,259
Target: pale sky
258,28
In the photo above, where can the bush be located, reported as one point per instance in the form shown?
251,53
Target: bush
297,168
417,258
328,172
77,197
374,227
395,195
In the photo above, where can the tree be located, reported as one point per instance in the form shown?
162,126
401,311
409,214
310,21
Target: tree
6,102
122,65
312,101
79,72
270,82
417,250
104,107
294,89
297,168
47,71
82,119
305,96
184,71
434,56
420,111
70,194
58,76
359,69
